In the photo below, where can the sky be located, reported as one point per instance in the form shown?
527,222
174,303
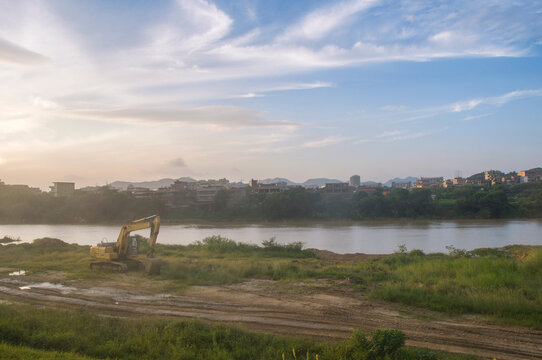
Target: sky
94,91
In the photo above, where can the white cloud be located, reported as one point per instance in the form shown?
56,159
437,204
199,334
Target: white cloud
468,105
195,25
301,86
322,21
11,53
330,140
495,100
473,117
44,103
220,116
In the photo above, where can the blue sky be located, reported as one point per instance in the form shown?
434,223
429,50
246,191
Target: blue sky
97,91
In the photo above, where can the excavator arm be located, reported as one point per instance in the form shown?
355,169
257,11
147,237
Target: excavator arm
152,222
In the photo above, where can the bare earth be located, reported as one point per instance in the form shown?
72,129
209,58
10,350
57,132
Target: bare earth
315,310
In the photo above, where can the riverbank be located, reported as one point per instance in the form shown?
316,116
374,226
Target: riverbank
292,291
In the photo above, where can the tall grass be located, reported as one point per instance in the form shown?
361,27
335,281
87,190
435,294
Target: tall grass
44,333
491,283
504,284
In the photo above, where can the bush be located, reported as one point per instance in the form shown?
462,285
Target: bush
382,343
386,342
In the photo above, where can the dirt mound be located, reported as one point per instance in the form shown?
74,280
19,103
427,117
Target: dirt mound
48,243
8,240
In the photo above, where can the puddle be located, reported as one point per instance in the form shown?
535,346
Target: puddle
49,286
17,273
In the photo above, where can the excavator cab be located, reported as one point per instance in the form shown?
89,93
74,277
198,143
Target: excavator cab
117,256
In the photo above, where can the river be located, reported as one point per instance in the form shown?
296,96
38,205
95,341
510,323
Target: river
365,237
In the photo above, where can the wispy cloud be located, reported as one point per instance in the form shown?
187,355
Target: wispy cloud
467,105
221,116
286,87
330,140
398,135
473,117
322,21
495,100
11,53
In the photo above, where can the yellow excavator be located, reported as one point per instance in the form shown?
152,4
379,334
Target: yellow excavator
118,255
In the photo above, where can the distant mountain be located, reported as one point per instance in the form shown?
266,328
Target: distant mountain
277,180
410,179
153,185
320,182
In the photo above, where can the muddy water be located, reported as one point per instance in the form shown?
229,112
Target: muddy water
366,237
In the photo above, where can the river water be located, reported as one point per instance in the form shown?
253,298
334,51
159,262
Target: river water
365,237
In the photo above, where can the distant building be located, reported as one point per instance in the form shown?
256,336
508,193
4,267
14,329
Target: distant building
529,176
183,186
91,189
260,188
206,194
355,180
336,188
459,181
212,182
429,182
140,192
401,185
493,176
60,189
448,183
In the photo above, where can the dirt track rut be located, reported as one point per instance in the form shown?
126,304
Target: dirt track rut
260,305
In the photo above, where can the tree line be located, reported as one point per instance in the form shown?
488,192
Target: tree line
20,205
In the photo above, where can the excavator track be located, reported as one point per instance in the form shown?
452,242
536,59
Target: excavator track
109,266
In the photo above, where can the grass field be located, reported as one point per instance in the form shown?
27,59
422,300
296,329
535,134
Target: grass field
32,333
502,284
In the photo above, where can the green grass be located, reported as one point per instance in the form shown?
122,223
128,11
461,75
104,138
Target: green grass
502,284
45,255
488,282
29,332
12,352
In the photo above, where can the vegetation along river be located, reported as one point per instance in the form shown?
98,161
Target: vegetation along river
366,237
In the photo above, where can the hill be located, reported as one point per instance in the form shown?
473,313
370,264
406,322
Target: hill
278,180
320,182
123,185
410,179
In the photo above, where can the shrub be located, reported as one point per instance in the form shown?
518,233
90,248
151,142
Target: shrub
382,343
386,342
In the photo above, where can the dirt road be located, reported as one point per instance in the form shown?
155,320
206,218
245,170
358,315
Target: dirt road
290,309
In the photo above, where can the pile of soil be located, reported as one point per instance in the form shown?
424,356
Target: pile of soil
49,243
8,240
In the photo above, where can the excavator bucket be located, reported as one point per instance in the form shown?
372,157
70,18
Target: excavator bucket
152,266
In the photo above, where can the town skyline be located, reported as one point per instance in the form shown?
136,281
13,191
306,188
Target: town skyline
98,91
492,177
